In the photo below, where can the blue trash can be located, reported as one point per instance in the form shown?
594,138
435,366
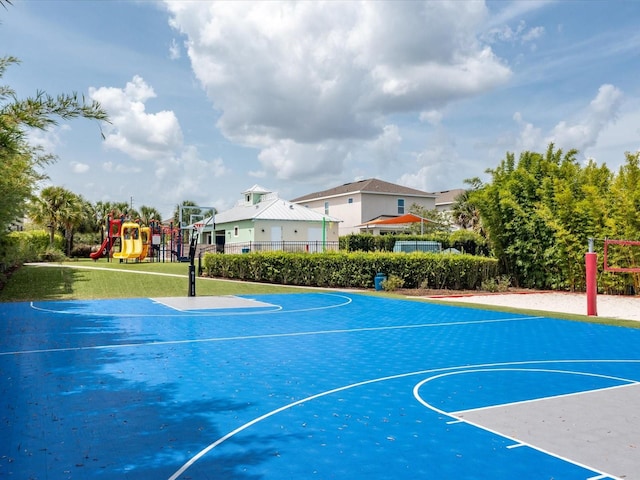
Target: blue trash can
245,250
378,279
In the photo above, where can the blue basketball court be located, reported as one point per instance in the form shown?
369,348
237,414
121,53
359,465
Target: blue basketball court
312,385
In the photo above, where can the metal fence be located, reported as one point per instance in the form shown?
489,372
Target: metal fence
282,246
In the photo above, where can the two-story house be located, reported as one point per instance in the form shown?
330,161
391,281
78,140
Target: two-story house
357,203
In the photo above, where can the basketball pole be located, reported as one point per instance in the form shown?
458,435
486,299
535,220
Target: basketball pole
192,268
591,264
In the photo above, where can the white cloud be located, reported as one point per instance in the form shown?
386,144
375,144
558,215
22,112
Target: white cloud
302,81
155,144
139,134
584,133
521,34
437,165
323,160
530,137
48,140
386,148
78,167
434,117
120,168
174,50
533,34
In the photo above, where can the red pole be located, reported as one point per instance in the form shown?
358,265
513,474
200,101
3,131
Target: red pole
591,263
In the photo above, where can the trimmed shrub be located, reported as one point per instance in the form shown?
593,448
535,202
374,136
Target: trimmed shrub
354,270
469,242
464,240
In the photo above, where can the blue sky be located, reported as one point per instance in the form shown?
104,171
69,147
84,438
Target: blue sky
208,98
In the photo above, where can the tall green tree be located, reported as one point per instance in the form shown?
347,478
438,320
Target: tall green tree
540,212
21,164
435,220
464,212
510,207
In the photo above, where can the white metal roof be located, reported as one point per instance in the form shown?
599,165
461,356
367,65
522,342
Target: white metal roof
272,209
257,189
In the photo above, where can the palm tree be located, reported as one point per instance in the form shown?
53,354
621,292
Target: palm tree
147,214
102,211
176,212
465,213
59,209
72,216
46,210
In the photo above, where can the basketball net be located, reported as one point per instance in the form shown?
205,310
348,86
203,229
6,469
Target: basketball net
198,228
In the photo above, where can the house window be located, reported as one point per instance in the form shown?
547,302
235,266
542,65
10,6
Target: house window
350,200
326,208
401,206
236,231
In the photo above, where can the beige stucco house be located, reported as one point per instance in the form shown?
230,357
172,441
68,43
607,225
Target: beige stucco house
357,203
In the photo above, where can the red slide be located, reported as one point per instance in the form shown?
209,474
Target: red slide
104,249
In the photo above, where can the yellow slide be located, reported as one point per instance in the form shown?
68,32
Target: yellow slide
130,241
145,234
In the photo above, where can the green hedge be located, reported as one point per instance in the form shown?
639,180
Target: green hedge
354,270
464,240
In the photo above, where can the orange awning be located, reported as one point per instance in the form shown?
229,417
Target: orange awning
402,219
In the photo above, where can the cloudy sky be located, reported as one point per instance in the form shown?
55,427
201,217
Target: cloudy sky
208,98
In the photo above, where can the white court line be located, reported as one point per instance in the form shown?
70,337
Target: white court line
217,313
517,441
552,397
258,337
105,269
419,385
241,428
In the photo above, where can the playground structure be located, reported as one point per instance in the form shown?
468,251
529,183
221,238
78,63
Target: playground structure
127,240
135,241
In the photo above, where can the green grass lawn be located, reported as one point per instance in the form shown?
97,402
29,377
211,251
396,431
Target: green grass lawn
118,280
80,280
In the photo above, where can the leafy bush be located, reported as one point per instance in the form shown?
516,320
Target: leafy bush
464,240
17,248
392,283
52,254
353,270
469,242
29,246
498,284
